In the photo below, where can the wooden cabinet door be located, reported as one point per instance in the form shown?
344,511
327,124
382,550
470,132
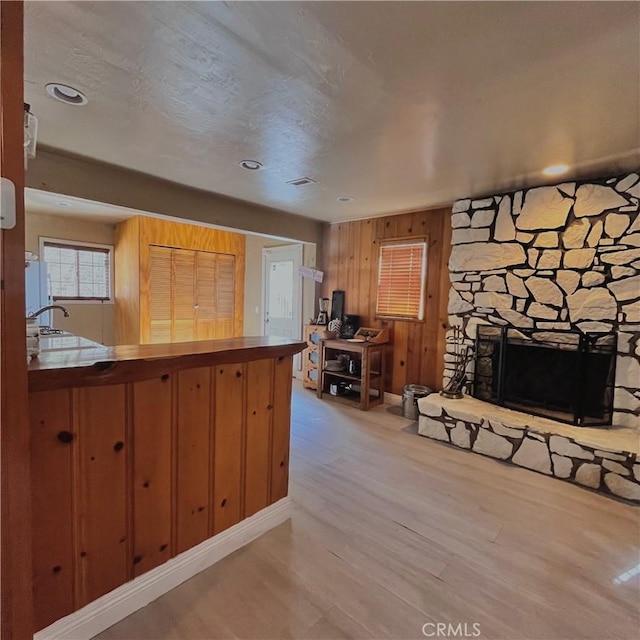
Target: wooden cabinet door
191,295
184,295
215,295
206,277
225,295
160,304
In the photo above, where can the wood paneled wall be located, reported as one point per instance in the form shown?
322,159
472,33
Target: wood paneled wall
126,476
133,238
16,612
350,260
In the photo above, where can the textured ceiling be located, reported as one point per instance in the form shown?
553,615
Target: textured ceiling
399,105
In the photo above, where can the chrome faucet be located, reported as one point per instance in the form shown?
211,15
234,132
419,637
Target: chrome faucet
35,314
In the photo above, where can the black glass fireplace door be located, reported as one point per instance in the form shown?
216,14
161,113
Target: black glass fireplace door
566,376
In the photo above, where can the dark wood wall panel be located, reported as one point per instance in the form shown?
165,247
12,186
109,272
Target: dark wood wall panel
280,428
350,259
230,386
102,550
126,476
52,436
257,462
194,445
151,426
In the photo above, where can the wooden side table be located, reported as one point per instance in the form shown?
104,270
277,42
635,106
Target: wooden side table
371,361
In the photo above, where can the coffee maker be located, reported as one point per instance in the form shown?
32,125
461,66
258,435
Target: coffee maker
323,316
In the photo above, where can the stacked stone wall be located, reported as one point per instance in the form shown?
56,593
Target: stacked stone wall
554,258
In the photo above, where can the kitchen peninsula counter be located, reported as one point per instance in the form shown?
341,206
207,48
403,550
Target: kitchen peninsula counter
93,364
140,453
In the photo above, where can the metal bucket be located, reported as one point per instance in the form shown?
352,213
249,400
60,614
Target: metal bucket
410,395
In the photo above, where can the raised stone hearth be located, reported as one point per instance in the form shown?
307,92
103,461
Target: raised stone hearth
560,257
605,460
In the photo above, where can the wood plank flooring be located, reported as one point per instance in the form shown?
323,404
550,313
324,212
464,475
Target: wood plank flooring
392,531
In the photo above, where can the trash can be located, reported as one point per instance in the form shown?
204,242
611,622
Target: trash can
410,395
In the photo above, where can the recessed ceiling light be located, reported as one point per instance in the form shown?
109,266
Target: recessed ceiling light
344,199
556,170
250,165
66,94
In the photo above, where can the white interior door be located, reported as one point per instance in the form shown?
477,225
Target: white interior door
282,291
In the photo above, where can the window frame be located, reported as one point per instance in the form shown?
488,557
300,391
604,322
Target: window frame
410,240
79,245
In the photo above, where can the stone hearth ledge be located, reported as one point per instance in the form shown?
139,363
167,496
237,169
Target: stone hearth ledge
604,459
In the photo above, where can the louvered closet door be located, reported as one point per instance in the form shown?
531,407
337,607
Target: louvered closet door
206,268
160,306
184,295
225,295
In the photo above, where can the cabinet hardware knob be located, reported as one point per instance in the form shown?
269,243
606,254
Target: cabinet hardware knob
223,503
118,445
65,436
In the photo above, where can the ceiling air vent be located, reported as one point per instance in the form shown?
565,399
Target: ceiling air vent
299,182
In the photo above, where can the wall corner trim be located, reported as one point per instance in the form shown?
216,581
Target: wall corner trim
113,607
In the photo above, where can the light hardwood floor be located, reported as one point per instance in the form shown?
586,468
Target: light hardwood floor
391,531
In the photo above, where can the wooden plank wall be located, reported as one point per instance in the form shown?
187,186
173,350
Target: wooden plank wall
350,260
16,611
128,475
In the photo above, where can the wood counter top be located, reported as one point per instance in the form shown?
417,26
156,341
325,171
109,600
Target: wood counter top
94,366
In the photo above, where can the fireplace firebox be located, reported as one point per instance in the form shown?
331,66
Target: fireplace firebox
564,375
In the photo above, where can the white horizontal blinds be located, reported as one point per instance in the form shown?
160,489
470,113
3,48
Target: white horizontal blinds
78,272
401,280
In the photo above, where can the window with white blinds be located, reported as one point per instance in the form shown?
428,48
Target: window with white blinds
77,271
402,276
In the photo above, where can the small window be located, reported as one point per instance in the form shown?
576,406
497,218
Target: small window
401,280
77,271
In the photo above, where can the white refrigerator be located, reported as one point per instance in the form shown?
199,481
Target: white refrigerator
37,290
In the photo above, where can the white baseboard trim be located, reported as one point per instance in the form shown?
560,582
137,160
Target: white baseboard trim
128,598
392,398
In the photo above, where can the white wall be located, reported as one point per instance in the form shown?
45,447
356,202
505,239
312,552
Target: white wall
253,310
92,321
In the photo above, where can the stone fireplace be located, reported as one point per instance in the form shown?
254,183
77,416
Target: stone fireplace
540,264
554,258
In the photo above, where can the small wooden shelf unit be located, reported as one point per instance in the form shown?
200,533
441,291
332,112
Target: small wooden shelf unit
372,371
